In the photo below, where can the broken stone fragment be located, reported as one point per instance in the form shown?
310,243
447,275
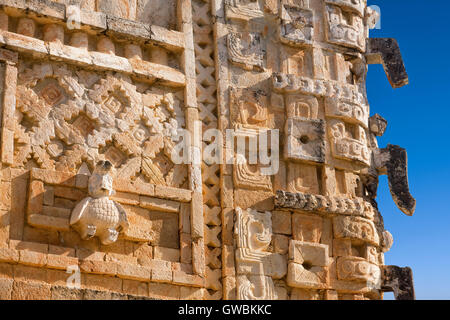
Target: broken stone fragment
399,281
386,51
378,125
393,161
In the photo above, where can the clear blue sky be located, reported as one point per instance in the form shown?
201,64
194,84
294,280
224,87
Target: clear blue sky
419,120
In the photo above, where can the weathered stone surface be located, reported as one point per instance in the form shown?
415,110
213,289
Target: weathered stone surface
235,209
394,161
398,280
386,51
308,253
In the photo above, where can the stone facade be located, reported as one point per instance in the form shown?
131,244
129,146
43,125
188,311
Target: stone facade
94,205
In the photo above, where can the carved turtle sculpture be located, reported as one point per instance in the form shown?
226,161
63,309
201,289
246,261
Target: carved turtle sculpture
98,215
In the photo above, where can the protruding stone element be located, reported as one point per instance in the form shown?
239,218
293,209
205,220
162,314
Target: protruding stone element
386,51
377,125
97,215
387,241
398,280
393,161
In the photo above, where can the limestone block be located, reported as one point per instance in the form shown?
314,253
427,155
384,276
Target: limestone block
300,277
136,288
228,261
187,293
270,264
259,200
339,31
36,197
213,277
357,269
32,258
120,9
9,255
212,236
393,160
4,19
99,267
280,244
227,226
307,228
331,295
26,27
305,294
53,177
176,194
166,254
161,271
308,254
80,40
342,247
163,291
196,217
101,282
281,222
229,284
347,110
97,295
143,253
246,50
185,248
184,218
30,291
303,178
6,287
60,262
159,204
255,287
198,256
305,140
53,32
291,30
348,142
134,272
133,51
64,293
355,228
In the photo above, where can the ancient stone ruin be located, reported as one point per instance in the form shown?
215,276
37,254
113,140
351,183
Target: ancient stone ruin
195,149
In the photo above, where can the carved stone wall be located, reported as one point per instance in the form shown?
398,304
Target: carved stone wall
89,82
